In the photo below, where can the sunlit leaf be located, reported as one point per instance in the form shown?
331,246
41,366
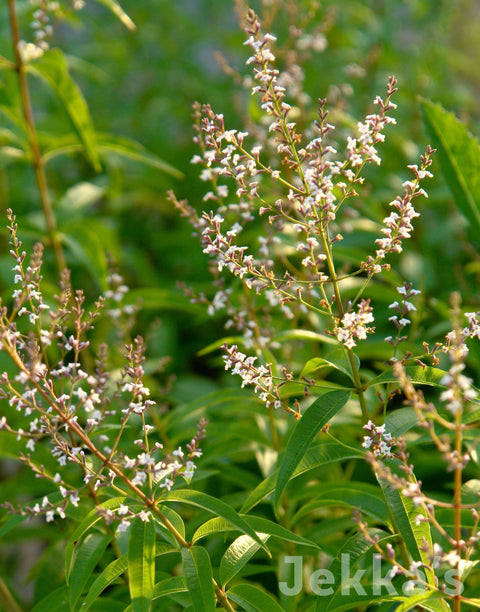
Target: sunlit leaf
214,505
237,555
253,599
321,455
141,563
199,578
315,417
459,156
52,68
417,374
87,555
259,524
117,10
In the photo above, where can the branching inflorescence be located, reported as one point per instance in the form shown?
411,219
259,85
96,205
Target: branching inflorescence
71,408
296,185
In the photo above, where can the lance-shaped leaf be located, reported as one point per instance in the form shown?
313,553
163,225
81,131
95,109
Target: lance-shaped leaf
343,576
417,374
415,534
214,505
365,497
141,563
253,599
336,359
321,455
88,522
199,578
88,555
52,68
113,570
237,555
315,417
218,525
459,157
118,11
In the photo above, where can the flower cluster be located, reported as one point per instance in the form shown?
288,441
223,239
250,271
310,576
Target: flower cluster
41,26
398,224
294,184
355,325
363,148
260,377
403,308
459,389
378,441
80,412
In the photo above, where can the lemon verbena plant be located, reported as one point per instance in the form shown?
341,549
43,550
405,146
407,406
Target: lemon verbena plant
342,472
285,208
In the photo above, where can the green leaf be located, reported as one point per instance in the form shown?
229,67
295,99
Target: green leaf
312,421
88,522
6,64
336,359
425,599
253,599
113,570
303,334
176,521
353,551
11,523
88,245
259,524
107,145
117,10
131,150
360,495
237,555
400,421
459,156
214,505
87,556
353,600
404,513
141,563
10,154
56,600
52,68
417,374
199,578
156,298
169,586
321,455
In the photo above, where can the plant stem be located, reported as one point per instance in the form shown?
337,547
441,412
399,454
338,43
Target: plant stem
38,162
338,300
6,599
457,488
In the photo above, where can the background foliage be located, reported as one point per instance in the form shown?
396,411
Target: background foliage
140,85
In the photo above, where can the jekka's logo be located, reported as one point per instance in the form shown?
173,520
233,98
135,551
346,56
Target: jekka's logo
322,582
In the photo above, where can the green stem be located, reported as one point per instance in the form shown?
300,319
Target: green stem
338,299
38,162
457,496
7,600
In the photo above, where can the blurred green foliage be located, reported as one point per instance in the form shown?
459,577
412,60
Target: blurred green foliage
141,85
